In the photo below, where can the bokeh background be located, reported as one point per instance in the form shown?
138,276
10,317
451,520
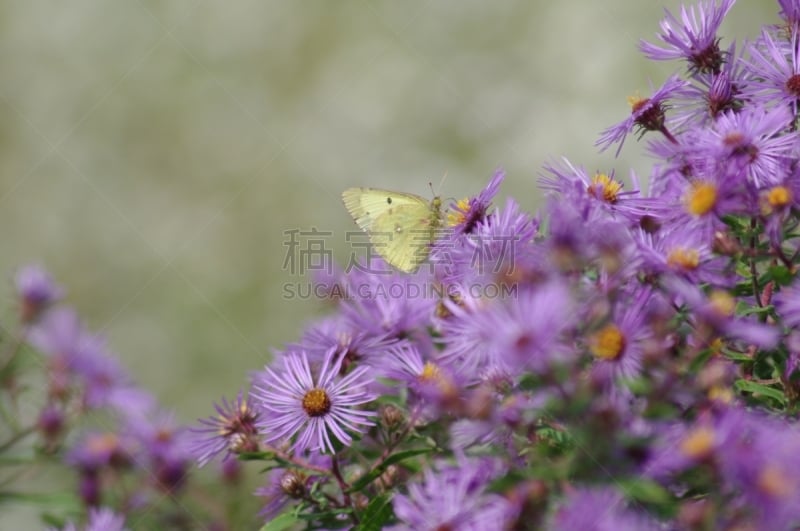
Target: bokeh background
153,154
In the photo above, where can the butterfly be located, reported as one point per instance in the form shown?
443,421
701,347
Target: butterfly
400,226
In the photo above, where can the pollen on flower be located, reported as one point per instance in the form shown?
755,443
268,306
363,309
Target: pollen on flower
698,443
604,187
701,198
779,196
430,371
316,402
458,215
774,482
683,258
608,343
637,102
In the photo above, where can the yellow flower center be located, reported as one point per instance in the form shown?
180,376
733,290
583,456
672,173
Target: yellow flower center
316,402
682,258
701,198
723,303
773,481
715,346
604,187
698,443
458,215
430,371
637,102
779,196
720,394
607,343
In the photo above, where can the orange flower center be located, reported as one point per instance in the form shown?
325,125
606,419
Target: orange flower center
607,343
698,443
701,198
316,402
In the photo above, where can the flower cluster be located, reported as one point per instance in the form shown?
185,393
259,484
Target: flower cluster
629,360
125,450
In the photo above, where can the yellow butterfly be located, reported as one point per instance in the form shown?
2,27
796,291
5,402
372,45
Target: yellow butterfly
400,226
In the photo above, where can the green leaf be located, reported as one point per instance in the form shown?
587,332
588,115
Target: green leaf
281,522
645,491
780,274
256,456
377,513
55,500
755,310
736,356
755,388
369,477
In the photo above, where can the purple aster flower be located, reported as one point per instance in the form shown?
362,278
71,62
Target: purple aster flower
499,251
751,454
357,345
777,204
707,197
775,71
453,497
100,519
282,488
598,510
105,519
716,315
617,344
79,362
390,304
59,335
232,430
711,95
434,383
693,38
647,114
96,450
790,12
313,405
465,214
494,419
106,383
753,144
165,445
678,249
787,304
522,332
36,290
285,486
597,197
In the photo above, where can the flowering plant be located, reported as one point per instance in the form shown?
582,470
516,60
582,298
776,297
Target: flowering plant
621,360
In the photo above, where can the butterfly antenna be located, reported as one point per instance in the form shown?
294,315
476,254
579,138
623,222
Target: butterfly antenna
438,188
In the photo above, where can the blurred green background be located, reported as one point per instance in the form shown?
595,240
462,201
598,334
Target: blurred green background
152,154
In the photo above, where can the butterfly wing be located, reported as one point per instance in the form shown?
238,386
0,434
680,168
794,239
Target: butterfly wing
400,226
